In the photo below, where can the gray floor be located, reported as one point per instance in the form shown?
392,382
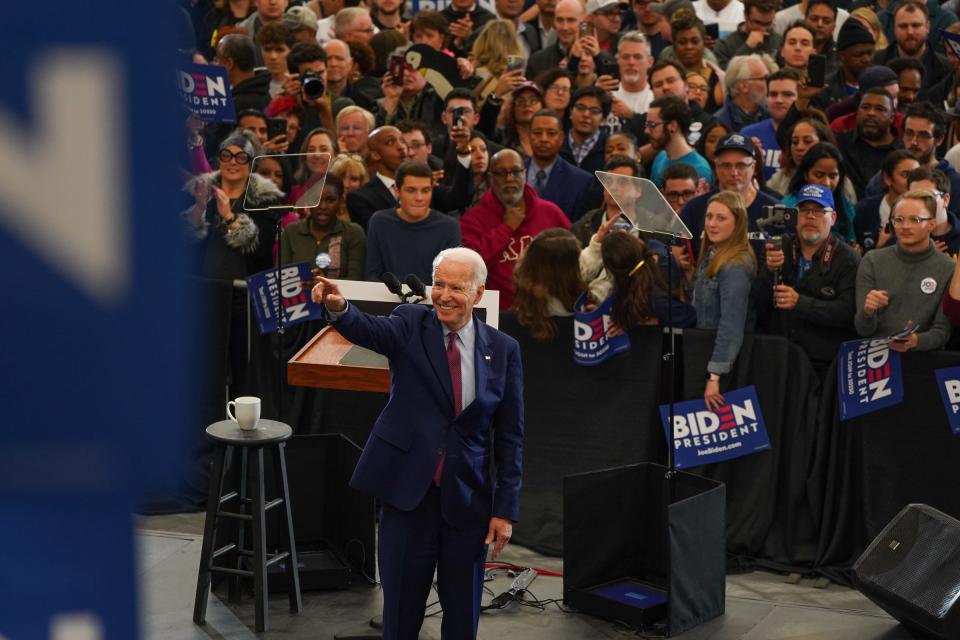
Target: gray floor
760,606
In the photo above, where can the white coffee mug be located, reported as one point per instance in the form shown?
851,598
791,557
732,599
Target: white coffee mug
248,411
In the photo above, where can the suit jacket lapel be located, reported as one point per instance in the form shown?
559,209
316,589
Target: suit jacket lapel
481,364
433,343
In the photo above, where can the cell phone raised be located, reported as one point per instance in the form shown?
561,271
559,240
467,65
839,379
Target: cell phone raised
816,70
276,127
514,62
623,223
457,114
587,29
396,66
712,30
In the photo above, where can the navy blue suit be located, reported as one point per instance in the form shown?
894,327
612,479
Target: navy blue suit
571,189
423,526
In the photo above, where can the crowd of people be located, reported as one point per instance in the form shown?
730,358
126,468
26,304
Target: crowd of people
839,116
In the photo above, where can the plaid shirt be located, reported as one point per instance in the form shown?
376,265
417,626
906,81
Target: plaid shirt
580,151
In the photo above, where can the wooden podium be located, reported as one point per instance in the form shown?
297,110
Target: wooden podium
318,364
330,361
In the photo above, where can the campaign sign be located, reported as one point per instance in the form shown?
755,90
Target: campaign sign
102,356
205,91
948,379
702,436
296,303
868,377
591,344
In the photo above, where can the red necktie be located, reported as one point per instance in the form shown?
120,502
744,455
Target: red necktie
456,380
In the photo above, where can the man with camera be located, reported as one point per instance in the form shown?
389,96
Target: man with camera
307,81
807,288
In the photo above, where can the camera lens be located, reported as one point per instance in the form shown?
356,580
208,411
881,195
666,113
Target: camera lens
312,85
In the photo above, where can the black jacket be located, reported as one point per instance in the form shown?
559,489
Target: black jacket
543,59
935,65
823,317
374,196
252,93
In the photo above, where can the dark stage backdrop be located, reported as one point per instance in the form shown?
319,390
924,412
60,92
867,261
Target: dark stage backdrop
581,419
812,503
769,519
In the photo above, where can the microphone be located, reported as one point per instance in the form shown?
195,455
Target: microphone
393,284
416,286
869,242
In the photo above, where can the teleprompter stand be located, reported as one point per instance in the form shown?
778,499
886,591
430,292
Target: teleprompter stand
644,544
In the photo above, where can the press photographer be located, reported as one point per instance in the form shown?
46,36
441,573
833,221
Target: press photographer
806,290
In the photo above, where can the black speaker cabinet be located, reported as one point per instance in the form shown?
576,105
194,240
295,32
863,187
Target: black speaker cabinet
912,571
633,552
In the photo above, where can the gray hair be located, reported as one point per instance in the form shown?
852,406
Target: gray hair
464,255
635,36
344,19
738,69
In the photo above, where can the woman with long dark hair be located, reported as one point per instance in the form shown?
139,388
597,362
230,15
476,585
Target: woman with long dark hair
801,135
547,282
721,291
822,164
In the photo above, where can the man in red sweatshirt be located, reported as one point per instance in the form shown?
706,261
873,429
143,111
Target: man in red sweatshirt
505,220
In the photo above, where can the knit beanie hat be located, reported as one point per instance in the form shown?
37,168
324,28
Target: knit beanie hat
853,32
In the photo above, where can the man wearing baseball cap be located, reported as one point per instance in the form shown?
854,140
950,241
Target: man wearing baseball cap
806,290
607,18
735,163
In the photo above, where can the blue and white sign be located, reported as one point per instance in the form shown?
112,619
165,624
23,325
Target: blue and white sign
205,91
296,304
952,40
868,377
96,354
702,436
591,344
948,379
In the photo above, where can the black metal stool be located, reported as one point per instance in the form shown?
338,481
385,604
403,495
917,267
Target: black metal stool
229,438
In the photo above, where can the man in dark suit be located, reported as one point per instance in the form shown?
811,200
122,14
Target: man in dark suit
566,20
387,153
456,401
553,178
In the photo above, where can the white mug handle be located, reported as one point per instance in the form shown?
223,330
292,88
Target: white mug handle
230,415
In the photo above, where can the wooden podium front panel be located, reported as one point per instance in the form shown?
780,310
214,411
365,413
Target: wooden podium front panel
317,364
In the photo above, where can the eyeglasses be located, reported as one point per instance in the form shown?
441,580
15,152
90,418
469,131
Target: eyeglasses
910,134
348,156
678,195
416,144
527,102
730,166
612,13
651,124
899,221
696,87
813,212
240,157
556,88
594,111
506,173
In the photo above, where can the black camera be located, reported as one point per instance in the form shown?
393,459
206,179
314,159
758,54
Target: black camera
778,219
312,84
458,114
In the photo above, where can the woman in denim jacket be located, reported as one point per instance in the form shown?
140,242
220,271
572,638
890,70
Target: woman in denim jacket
721,291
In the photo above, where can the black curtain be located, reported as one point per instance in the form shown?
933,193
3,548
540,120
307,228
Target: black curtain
581,419
769,519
